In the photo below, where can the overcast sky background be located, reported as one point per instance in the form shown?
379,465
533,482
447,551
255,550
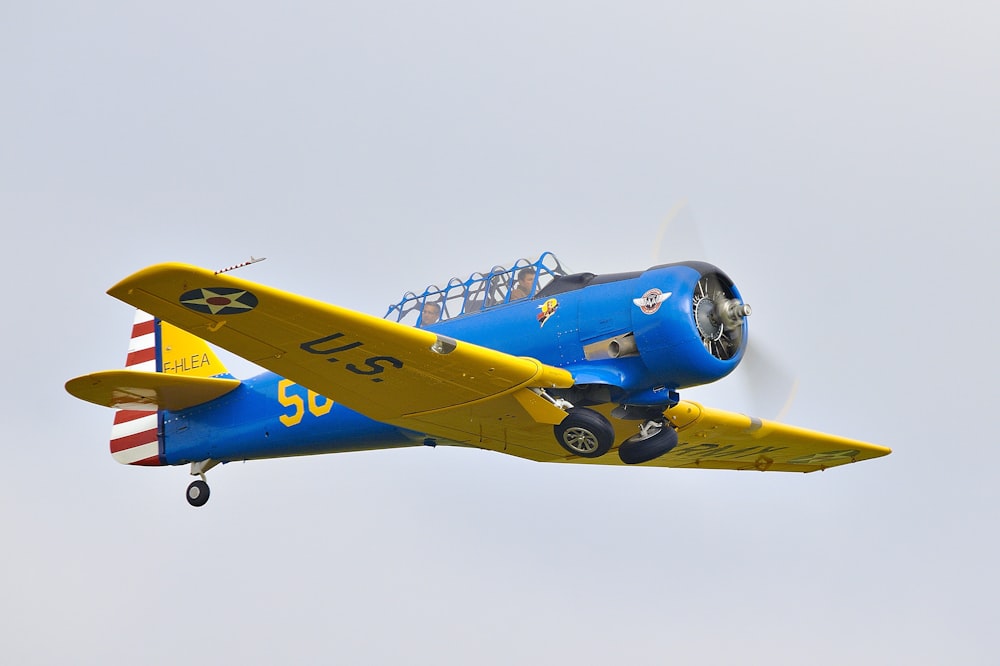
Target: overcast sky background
841,160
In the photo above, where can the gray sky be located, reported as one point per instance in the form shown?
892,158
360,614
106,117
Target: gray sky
842,163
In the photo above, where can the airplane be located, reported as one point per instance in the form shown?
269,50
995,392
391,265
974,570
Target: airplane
528,360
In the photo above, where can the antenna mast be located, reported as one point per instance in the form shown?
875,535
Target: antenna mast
253,260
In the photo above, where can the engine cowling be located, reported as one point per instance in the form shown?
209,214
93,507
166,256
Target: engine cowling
689,323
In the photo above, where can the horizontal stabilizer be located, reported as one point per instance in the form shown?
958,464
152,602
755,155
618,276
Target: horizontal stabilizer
137,389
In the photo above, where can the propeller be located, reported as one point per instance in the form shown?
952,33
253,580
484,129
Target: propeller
768,385
678,234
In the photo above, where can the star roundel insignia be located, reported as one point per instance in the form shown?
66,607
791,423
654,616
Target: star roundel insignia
219,300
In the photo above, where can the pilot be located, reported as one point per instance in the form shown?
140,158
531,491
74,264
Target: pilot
525,280
430,313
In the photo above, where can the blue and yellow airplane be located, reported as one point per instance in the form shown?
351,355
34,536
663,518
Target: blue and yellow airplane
527,360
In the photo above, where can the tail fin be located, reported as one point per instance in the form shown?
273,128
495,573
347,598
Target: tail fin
156,346
166,368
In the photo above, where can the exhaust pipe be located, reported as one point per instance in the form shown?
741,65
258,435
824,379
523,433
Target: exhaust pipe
623,346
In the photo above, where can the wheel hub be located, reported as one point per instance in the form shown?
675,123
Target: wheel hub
580,440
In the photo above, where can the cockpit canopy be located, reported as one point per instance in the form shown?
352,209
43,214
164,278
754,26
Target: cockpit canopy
480,290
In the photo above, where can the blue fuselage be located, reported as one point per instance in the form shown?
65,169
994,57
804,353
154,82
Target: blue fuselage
572,328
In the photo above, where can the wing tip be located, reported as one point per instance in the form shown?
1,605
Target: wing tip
157,271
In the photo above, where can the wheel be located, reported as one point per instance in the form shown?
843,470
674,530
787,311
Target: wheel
197,493
653,440
585,433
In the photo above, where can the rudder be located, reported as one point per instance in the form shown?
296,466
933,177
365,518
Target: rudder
156,346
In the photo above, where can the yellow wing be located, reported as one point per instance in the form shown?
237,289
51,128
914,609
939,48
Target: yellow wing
716,439
390,372
711,438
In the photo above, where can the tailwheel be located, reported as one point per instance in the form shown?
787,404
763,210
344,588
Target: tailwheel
585,433
655,438
197,493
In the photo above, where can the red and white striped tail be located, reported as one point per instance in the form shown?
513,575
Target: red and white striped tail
135,438
135,435
142,346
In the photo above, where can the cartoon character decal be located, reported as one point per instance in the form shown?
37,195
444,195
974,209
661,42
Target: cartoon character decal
548,308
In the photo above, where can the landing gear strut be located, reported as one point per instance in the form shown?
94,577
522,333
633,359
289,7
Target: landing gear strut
655,438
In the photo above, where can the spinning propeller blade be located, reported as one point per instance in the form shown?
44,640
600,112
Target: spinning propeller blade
678,238
770,387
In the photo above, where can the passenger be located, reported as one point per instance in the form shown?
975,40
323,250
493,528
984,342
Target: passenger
525,281
430,313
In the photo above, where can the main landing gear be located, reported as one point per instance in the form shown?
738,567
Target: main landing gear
655,439
589,434
585,433
198,491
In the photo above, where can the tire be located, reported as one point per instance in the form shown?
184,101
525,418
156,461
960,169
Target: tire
585,433
638,449
197,493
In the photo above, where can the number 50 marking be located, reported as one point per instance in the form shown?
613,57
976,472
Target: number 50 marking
298,405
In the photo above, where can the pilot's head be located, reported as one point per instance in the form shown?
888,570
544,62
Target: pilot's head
525,278
430,313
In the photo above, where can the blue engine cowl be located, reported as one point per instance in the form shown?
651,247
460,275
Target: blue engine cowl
689,324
